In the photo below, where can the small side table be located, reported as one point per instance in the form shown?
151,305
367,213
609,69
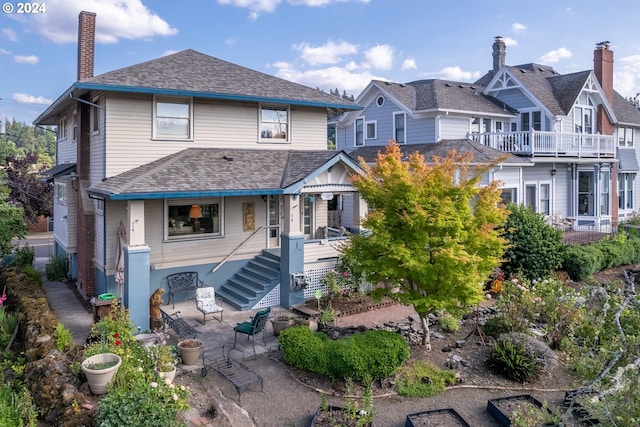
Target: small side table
101,308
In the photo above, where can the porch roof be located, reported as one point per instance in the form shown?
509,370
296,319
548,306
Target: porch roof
216,172
482,154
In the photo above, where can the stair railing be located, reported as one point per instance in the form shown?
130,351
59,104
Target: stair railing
233,252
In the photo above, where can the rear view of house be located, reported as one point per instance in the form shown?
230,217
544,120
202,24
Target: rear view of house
209,166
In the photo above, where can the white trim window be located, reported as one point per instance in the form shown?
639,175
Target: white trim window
74,136
586,193
625,136
189,218
98,205
537,196
625,191
274,123
605,189
358,133
172,118
399,127
95,117
60,193
62,129
371,129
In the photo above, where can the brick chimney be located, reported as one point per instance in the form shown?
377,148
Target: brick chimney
499,52
86,44
603,69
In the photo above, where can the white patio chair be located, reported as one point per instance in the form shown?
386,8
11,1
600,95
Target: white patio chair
207,304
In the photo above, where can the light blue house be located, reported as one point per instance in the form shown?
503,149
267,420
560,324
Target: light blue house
209,167
572,136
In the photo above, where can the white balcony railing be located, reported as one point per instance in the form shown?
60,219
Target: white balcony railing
542,143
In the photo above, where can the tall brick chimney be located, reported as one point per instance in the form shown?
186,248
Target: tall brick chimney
499,52
86,44
603,69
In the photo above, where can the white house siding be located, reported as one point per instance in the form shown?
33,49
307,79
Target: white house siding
561,192
508,176
65,217
100,261
67,148
96,162
175,253
215,124
454,127
347,209
320,250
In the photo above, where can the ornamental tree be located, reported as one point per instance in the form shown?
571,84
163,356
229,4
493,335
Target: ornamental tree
432,231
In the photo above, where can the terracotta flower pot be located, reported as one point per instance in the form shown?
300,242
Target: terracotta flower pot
100,370
279,324
190,351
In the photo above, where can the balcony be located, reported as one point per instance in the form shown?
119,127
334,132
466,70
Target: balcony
549,144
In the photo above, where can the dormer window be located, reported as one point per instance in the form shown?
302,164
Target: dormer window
172,118
274,124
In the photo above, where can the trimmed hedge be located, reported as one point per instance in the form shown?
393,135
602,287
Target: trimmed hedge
581,262
371,355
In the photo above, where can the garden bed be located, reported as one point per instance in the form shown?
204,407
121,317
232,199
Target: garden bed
524,407
436,418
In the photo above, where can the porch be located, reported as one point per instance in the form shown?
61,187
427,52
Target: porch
552,144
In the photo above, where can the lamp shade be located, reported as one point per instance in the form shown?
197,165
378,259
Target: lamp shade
195,212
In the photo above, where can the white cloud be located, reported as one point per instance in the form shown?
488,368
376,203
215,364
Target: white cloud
30,99
10,34
4,52
329,53
408,64
257,7
555,55
508,41
31,59
115,20
517,27
457,74
379,57
627,75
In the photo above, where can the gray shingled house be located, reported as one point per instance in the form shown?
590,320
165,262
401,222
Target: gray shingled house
571,137
200,165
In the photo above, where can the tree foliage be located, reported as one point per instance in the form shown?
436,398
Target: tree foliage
535,247
20,139
433,230
12,225
26,188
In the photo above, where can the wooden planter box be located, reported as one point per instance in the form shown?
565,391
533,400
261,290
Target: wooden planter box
325,419
437,417
502,407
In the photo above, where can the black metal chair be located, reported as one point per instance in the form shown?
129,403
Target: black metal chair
255,326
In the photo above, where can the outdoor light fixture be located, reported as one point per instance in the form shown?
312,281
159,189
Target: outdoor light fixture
195,214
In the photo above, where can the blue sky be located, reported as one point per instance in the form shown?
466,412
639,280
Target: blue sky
321,43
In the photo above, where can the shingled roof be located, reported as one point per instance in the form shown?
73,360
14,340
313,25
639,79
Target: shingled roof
192,73
482,154
201,172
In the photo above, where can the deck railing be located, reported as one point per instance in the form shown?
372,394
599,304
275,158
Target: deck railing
543,143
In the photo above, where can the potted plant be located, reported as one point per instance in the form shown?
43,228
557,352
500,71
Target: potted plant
280,322
190,351
164,359
100,369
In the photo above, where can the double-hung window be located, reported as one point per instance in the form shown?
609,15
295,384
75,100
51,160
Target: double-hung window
95,117
62,129
625,191
538,196
399,126
274,124
187,218
358,136
60,191
372,129
173,118
625,137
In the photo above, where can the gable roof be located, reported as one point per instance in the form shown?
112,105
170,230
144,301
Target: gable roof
443,95
482,154
191,73
209,172
626,113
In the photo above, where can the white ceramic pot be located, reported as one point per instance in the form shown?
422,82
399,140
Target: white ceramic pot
97,376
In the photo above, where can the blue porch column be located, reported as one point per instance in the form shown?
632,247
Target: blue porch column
291,261
136,284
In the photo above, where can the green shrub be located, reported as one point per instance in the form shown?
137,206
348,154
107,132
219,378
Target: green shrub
8,323
371,355
581,262
449,323
511,360
57,268
495,326
64,340
17,407
535,248
420,379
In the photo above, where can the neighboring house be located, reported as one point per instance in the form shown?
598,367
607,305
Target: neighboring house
209,166
575,137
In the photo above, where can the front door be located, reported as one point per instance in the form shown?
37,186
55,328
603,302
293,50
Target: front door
273,213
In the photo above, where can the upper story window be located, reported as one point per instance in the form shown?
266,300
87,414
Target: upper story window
172,118
358,129
62,129
274,124
75,127
380,101
399,126
530,120
193,218
95,117
372,129
60,193
625,137
583,120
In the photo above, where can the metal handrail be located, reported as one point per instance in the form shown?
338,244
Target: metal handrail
233,252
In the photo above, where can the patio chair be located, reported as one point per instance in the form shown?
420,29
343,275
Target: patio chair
250,329
206,303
